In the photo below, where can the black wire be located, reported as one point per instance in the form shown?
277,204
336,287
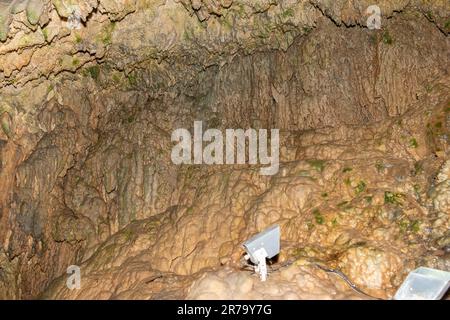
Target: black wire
346,279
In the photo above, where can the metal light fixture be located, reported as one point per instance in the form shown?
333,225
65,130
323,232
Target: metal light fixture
264,245
424,284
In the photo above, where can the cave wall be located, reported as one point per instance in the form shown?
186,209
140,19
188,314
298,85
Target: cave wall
87,114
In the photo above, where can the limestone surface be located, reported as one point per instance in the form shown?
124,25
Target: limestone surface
91,91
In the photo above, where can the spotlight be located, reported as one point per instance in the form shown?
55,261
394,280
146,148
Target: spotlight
264,245
424,284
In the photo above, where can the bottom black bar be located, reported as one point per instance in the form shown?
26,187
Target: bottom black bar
220,309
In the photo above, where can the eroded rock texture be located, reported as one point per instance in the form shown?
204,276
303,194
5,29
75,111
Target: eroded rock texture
90,92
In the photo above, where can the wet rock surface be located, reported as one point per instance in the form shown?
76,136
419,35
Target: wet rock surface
86,120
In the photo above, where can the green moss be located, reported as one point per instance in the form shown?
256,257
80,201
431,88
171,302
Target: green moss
447,25
106,39
94,72
347,169
287,13
264,32
241,10
227,23
387,38
418,168
324,195
116,78
186,35
45,34
347,181
128,234
334,222
307,30
25,40
379,166
413,143
318,165
360,187
106,36
318,216
78,38
393,198
415,226
409,226
368,199
6,128
404,224
75,62
32,16
132,79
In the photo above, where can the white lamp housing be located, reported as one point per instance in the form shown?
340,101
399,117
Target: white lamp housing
424,284
264,245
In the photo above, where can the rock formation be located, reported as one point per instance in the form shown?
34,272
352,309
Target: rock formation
90,92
